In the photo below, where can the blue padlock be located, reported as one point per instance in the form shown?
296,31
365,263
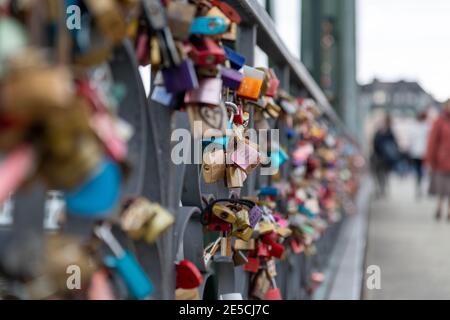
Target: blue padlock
138,284
268,191
237,61
209,26
302,209
96,197
222,141
278,158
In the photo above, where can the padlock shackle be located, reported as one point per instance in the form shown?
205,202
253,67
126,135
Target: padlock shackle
206,215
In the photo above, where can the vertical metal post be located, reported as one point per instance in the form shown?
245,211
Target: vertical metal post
246,45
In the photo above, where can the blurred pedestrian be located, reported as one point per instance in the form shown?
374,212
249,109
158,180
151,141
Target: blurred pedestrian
386,154
438,159
418,139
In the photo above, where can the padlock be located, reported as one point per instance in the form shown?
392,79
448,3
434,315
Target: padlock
227,10
207,121
255,215
224,213
278,158
156,18
206,52
108,18
15,169
180,78
208,71
260,286
187,295
237,60
143,46
235,177
243,234
283,232
274,84
208,26
208,92
265,227
99,288
296,246
216,12
252,264
272,109
246,157
251,84
180,16
242,220
143,220
239,120
213,166
275,249
138,284
231,78
187,275
98,195
161,96
273,294
245,245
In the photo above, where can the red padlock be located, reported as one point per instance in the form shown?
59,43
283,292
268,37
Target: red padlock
227,10
252,265
239,117
276,250
296,246
263,250
188,276
219,225
273,294
206,52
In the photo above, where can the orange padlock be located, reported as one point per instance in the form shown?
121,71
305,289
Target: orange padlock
250,88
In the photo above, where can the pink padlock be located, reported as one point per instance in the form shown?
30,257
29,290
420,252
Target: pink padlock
246,157
208,92
105,129
15,169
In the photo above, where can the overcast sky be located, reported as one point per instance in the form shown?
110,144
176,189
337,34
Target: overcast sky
405,39
397,39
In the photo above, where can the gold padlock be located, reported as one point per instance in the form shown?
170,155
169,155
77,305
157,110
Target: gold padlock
235,177
242,220
144,220
243,234
213,166
224,213
245,245
265,227
284,231
108,19
161,221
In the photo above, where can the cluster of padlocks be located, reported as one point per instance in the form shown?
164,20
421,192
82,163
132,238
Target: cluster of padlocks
70,92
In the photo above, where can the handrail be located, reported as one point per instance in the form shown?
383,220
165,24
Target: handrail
268,39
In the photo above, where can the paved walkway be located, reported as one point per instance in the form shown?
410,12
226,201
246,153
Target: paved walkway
410,247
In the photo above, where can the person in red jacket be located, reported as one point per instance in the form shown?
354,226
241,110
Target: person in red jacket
438,159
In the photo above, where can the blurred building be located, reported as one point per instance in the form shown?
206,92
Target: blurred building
401,98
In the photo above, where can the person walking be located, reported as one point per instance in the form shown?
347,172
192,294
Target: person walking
438,159
386,154
418,140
